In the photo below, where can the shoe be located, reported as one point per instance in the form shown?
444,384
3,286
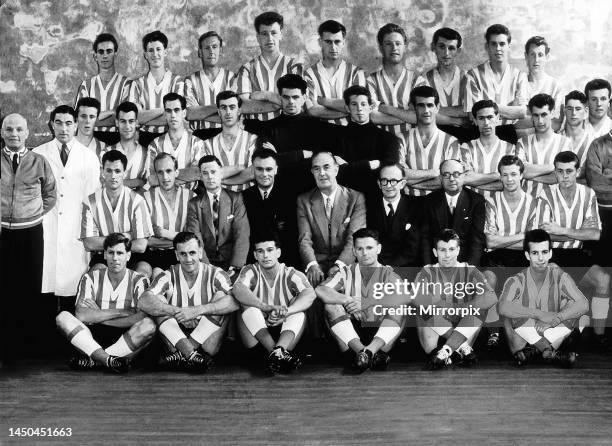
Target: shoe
81,362
380,361
493,341
172,362
198,363
362,361
560,358
439,359
281,360
117,364
526,355
601,344
464,358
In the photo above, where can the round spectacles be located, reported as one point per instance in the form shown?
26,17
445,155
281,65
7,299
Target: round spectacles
447,175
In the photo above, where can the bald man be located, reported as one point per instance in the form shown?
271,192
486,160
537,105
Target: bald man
28,192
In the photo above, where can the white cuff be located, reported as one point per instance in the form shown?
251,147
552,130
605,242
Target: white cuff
314,262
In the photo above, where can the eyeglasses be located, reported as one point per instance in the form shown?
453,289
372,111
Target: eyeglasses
447,175
385,181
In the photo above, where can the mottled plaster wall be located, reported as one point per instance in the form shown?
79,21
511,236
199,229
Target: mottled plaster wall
45,46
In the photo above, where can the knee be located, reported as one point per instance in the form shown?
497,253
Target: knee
145,269
334,311
62,319
602,278
97,266
145,329
156,272
491,278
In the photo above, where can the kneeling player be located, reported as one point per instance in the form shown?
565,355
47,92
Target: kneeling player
350,305
191,297
272,294
542,304
452,302
106,301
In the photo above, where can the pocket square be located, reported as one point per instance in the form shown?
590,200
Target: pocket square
408,226
348,219
230,216
466,218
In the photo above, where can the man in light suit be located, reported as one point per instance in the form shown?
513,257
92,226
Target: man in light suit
218,217
396,217
327,217
77,175
455,207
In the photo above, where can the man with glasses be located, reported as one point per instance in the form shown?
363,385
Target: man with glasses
455,207
396,218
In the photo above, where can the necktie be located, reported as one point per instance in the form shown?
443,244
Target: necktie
215,214
390,215
328,208
265,196
15,162
451,206
64,154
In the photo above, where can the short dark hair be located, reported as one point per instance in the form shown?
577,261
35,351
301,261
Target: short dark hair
184,237
172,96
105,37
209,159
162,155
208,34
510,160
323,151
63,109
264,153
116,238
537,41
567,157
597,84
385,166
424,91
155,36
388,29
365,233
536,236
577,96
265,236
356,90
227,94
540,100
114,155
497,29
88,102
446,235
333,27
485,103
126,107
448,34
291,81
268,18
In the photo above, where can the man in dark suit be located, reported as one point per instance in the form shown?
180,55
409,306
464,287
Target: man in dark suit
270,205
218,217
327,217
396,217
455,207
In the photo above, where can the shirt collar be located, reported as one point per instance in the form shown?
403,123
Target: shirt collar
393,203
451,199
68,144
331,196
21,152
261,191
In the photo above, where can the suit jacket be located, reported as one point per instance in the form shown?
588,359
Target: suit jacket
276,213
326,241
468,220
401,242
232,244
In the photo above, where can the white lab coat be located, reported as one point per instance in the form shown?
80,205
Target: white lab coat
65,258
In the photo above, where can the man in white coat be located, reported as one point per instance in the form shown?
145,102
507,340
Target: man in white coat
77,174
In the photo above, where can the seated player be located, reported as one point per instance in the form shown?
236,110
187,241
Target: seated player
167,205
219,219
541,305
190,302
115,208
332,75
426,145
576,113
179,141
106,312
574,220
538,151
459,331
350,306
481,156
88,110
137,169
272,295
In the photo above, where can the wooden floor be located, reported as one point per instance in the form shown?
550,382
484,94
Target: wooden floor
494,403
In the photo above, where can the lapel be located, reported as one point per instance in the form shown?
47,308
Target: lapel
206,212
339,209
318,211
225,205
400,213
460,209
441,207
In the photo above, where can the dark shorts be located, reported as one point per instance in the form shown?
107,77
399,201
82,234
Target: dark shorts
98,257
160,258
575,262
106,335
504,263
